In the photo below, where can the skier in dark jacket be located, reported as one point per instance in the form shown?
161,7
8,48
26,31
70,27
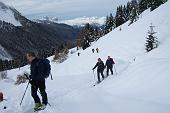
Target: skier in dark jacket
109,64
100,69
37,81
97,50
93,50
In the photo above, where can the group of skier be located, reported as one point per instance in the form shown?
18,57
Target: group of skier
93,50
97,50
100,67
39,69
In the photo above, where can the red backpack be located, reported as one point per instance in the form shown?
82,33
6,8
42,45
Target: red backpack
1,96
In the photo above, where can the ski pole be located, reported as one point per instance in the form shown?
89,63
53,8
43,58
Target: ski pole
24,94
115,69
51,76
94,75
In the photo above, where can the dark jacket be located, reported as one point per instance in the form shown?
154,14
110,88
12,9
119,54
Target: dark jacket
109,63
100,66
37,68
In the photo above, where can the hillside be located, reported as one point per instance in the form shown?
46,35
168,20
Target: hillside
141,85
19,34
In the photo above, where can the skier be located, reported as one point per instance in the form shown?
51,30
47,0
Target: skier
97,50
100,69
109,64
1,96
37,81
78,54
93,50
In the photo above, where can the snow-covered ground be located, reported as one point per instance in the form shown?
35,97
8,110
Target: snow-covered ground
7,15
141,85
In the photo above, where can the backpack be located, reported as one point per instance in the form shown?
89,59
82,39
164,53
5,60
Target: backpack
47,66
112,60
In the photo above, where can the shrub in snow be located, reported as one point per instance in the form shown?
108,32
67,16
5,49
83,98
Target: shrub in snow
61,56
21,79
3,75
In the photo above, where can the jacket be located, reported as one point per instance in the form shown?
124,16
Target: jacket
37,70
100,66
109,63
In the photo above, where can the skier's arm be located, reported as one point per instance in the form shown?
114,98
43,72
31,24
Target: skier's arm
95,66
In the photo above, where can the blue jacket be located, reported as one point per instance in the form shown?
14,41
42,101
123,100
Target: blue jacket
37,70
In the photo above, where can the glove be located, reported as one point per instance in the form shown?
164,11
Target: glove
27,76
31,82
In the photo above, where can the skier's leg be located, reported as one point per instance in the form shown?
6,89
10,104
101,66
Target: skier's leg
98,76
102,74
42,88
111,69
107,71
34,89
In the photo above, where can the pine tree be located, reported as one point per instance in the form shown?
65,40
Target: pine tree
110,24
86,36
106,28
1,65
151,41
96,33
155,3
134,15
120,16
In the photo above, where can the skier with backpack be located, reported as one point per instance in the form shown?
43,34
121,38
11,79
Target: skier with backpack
100,69
109,64
97,50
40,69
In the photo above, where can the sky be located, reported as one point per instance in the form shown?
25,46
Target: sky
64,9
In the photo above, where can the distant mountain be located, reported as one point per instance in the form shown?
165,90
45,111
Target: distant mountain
19,35
77,22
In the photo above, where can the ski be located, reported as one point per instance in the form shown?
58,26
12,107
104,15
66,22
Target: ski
36,111
97,83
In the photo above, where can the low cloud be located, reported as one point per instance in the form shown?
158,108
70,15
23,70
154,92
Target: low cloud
63,8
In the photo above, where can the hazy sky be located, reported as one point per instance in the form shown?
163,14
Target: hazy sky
64,9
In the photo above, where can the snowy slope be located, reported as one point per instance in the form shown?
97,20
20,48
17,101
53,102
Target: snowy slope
7,15
141,86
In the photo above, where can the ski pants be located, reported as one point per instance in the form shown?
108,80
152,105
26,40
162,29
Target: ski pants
98,75
111,69
35,85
